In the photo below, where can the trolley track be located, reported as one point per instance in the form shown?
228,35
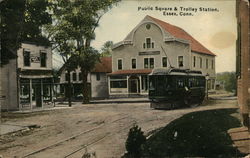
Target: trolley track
72,138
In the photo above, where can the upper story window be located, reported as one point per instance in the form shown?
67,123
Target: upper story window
43,59
164,62
212,64
148,63
194,61
180,61
74,76
133,63
148,43
98,76
200,62
151,63
26,58
80,76
207,63
119,63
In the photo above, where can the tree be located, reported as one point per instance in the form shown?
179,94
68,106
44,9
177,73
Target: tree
107,49
82,18
21,20
229,78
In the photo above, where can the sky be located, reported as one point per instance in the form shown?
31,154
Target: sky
216,29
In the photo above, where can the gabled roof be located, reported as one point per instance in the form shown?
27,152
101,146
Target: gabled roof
180,33
170,33
127,72
105,65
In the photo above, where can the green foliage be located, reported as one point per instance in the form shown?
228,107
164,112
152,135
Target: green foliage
198,134
229,78
107,49
22,20
135,141
73,31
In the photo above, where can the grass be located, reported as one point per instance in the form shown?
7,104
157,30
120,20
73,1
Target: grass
197,134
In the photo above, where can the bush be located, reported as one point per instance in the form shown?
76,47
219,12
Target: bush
135,142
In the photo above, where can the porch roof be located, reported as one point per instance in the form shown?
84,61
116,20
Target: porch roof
128,72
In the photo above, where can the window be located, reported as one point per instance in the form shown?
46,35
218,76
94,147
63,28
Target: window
194,61
148,26
207,63
180,61
212,64
133,63
74,76
26,58
145,63
151,61
80,76
118,84
180,83
148,42
200,62
164,62
153,44
98,77
119,64
43,58
148,63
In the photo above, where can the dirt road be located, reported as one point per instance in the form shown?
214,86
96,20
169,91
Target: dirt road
96,128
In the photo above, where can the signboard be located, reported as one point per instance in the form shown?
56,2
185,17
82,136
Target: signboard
35,59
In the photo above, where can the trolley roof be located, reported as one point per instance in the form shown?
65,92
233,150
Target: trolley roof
175,71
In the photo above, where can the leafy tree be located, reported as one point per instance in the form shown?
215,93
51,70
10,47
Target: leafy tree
229,79
107,49
81,19
21,20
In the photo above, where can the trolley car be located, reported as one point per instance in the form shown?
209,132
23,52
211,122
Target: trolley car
170,88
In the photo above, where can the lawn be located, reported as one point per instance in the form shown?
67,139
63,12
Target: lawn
197,134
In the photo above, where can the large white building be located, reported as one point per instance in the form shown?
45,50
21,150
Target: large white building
155,44
27,81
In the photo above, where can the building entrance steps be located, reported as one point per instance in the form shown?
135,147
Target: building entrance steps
241,139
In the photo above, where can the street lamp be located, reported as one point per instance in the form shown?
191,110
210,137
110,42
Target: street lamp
207,78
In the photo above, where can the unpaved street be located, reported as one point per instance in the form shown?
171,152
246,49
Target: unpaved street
96,128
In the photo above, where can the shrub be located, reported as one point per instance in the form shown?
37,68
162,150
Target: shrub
135,141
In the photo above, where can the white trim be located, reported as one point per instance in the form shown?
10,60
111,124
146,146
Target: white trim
148,62
178,61
118,64
147,22
131,65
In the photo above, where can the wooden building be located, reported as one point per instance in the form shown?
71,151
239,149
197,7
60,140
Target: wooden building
27,81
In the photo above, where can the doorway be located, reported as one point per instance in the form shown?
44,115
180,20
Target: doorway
134,84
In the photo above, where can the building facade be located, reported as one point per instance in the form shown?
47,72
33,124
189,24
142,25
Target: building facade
97,80
155,44
27,81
